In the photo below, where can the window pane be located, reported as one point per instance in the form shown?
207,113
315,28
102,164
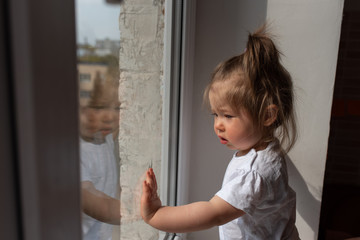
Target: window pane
120,68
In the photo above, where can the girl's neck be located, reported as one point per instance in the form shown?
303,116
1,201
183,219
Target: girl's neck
93,140
257,147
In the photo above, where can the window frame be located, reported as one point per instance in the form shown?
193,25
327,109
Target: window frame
41,103
178,62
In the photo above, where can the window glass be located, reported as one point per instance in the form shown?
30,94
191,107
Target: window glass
120,73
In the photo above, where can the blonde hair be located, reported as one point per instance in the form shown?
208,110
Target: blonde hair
258,80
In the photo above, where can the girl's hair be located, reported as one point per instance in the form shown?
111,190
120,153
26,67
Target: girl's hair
258,81
104,92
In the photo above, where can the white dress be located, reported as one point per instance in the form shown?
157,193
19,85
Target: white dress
99,166
257,183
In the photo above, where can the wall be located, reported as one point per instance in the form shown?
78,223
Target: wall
308,36
140,92
221,32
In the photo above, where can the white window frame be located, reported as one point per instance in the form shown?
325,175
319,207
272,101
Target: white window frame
178,74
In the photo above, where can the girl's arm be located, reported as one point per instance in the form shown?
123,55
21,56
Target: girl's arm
187,218
98,205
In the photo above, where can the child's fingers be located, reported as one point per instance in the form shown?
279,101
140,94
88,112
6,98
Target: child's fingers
149,177
151,181
147,191
154,179
145,188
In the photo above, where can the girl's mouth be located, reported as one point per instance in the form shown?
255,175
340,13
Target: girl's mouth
106,131
223,140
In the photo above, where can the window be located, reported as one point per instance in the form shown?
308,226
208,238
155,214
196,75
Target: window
84,94
84,77
40,140
125,116
45,122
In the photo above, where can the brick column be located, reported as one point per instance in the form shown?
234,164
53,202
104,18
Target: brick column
141,24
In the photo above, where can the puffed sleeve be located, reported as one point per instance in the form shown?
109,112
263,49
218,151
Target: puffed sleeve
245,190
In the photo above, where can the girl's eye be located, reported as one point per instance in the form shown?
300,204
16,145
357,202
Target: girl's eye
214,114
228,116
98,107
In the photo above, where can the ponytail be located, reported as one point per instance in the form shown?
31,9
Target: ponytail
261,54
271,84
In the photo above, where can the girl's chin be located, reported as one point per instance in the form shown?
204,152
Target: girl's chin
231,147
105,132
94,137
240,151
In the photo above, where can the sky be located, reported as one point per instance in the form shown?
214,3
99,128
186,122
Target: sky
95,19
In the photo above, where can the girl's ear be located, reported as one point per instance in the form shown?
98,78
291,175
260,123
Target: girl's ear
271,115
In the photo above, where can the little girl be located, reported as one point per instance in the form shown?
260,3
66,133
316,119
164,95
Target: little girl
99,123
251,98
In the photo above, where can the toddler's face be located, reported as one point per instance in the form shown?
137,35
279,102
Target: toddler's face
99,120
236,130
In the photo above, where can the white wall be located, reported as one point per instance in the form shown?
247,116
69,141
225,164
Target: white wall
220,32
308,34
141,24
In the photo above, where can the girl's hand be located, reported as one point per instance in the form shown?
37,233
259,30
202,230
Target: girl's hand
187,218
150,201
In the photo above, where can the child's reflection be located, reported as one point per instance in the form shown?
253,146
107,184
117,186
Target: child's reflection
99,121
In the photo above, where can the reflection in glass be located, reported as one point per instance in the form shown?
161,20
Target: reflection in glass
121,122
98,75
99,119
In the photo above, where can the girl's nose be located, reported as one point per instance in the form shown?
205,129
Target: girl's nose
107,116
218,125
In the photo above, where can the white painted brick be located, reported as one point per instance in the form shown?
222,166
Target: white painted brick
141,24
